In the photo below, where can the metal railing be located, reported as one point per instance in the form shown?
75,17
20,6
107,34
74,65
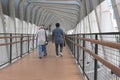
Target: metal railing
98,54
14,46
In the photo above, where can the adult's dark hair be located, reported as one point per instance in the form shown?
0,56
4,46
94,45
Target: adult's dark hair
57,25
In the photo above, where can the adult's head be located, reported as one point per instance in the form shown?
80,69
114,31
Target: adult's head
43,25
57,25
40,27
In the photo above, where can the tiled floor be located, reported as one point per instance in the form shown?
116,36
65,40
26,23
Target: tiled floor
48,68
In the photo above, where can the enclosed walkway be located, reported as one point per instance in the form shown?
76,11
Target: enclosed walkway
92,33
30,67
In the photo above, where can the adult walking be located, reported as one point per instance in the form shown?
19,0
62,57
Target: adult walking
58,38
41,39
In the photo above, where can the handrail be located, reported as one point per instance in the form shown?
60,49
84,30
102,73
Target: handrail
104,43
3,44
13,37
104,33
5,37
19,38
114,69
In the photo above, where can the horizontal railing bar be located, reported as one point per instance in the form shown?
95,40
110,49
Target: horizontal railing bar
108,33
3,44
101,42
13,37
104,43
15,34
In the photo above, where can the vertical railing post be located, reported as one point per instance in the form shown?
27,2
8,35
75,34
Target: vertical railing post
10,48
21,45
71,44
28,43
33,41
74,45
95,62
83,54
78,49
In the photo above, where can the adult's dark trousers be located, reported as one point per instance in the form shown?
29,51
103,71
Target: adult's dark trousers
57,47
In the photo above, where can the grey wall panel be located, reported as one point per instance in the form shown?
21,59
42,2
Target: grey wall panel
25,10
5,6
17,8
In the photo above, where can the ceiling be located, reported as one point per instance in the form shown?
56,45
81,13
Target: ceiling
49,12
66,12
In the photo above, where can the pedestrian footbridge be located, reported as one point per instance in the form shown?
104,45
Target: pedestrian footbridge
92,33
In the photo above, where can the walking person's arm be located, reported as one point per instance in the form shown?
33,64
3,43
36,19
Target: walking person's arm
36,37
63,37
53,37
